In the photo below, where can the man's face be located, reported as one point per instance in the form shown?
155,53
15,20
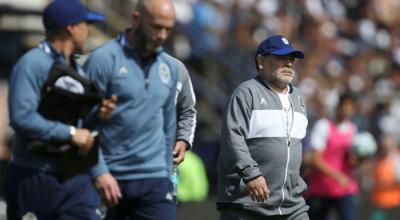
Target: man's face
79,34
278,70
347,109
152,31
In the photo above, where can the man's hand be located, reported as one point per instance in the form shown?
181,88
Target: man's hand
107,107
108,189
179,152
83,139
258,189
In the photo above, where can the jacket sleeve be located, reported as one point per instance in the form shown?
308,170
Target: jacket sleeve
169,114
25,87
185,107
100,168
98,69
234,134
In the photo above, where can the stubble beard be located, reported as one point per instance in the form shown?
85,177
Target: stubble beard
144,43
276,79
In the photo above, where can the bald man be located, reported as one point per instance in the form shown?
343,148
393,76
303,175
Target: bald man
137,142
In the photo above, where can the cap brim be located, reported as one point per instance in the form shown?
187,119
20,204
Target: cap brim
287,51
92,16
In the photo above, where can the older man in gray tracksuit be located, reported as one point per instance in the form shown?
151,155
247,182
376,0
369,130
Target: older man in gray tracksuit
265,121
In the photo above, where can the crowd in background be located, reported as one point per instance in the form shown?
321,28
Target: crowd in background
350,45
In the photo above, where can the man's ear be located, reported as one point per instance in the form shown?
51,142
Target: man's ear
135,18
70,29
259,59
259,62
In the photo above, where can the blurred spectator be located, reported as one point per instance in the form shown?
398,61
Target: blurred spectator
331,182
385,194
193,182
5,152
211,19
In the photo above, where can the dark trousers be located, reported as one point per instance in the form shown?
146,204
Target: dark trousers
147,199
241,214
34,193
345,206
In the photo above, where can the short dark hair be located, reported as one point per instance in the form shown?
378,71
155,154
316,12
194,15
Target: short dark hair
50,34
346,96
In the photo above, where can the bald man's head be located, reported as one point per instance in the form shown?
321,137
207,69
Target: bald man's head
156,8
152,21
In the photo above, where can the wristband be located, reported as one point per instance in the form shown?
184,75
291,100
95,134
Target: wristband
72,131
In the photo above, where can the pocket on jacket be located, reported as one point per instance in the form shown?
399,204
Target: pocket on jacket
296,184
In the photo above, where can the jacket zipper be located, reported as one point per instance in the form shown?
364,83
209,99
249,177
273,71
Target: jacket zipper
288,129
146,72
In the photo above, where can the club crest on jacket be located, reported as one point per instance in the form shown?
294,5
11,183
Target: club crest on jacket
164,72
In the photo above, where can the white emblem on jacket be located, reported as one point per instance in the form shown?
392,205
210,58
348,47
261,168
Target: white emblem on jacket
123,70
164,72
29,216
263,101
302,105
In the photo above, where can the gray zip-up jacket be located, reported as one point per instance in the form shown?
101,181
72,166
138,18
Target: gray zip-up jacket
185,107
255,142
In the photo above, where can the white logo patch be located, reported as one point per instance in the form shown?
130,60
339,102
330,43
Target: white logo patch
263,101
101,211
302,104
285,41
169,196
164,72
29,216
123,70
70,84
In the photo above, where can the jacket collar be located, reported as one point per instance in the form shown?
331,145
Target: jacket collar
46,46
